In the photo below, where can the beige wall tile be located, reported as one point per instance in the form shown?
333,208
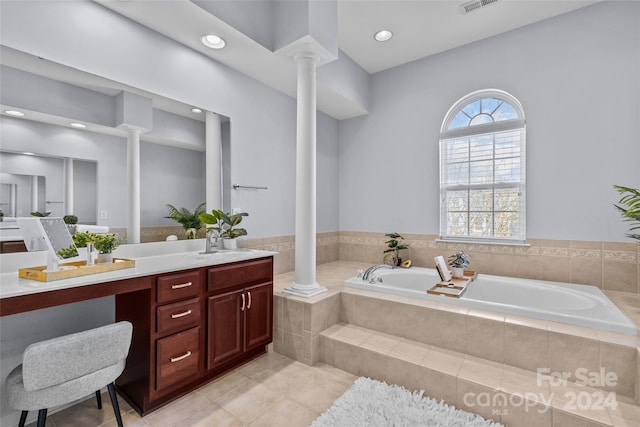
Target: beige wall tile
345,356
620,360
404,373
293,315
525,413
439,385
567,353
525,347
484,338
373,364
293,346
554,268
478,399
620,276
586,271
442,325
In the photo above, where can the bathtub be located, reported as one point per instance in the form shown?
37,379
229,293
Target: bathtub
580,305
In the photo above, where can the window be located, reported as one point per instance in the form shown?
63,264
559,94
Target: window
482,169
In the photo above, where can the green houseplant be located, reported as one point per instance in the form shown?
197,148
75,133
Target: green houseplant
105,244
394,246
1,215
71,221
458,262
630,208
227,225
190,221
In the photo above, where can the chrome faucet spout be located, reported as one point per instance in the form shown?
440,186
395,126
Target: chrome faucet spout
212,234
367,274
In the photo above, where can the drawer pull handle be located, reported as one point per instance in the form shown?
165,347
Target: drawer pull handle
178,315
182,285
249,303
179,358
242,308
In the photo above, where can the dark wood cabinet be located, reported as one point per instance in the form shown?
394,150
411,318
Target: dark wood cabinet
193,326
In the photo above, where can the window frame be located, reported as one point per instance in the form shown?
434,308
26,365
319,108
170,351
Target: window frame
517,124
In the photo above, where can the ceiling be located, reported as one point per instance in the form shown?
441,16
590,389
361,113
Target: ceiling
421,28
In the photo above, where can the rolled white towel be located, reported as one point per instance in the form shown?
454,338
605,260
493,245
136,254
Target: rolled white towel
98,229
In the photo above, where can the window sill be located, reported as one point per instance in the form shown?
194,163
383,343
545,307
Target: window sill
483,242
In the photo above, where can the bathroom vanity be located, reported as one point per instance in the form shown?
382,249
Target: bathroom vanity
195,316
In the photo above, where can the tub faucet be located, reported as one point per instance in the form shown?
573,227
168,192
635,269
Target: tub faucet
366,277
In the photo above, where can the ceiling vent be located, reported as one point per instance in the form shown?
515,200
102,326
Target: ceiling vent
475,5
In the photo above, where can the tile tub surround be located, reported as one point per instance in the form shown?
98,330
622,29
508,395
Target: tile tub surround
515,341
608,265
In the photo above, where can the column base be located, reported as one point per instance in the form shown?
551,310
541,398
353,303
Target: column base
304,291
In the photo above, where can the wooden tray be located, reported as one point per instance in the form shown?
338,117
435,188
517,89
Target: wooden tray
75,269
453,288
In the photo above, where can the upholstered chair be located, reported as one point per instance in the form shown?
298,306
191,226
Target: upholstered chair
64,369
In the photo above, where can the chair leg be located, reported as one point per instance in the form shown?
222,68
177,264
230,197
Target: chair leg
23,418
99,399
42,417
114,402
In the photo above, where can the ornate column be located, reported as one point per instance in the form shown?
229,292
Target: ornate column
133,184
305,284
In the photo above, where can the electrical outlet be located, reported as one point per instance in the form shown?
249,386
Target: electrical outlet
103,215
235,211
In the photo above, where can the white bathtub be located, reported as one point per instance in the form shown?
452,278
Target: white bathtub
560,302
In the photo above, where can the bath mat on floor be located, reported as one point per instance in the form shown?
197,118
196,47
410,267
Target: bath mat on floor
373,403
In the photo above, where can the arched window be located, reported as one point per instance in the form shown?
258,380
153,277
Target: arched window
482,169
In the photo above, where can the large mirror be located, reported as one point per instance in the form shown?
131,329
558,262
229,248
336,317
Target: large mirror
49,98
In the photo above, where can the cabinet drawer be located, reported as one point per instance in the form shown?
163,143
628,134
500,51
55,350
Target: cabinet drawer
177,357
250,272
179,315
178,286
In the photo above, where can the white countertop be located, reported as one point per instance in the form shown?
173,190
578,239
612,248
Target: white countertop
151,258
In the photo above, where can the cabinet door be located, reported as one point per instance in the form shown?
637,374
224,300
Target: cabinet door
225,325
258,316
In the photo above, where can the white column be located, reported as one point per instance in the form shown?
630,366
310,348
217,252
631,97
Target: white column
213,161
68,186
34,193
305,262
133,183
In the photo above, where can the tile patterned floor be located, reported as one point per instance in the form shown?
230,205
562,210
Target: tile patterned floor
272,390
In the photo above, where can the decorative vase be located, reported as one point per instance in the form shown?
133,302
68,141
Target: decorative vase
457,272
105,258
191,233
231,244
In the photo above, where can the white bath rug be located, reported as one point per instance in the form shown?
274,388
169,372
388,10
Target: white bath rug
373,403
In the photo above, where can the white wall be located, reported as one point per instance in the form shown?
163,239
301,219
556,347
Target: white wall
578,79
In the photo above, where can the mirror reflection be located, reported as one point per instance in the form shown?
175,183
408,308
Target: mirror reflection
172,149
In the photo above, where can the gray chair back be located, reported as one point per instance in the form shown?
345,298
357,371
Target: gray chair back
58,360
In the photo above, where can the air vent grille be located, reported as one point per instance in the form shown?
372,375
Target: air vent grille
475,5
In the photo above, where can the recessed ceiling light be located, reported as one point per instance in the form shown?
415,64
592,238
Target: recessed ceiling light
28,153
213,41
14,113
383,35
196,110
78,125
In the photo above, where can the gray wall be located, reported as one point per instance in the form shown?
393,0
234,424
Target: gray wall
578,79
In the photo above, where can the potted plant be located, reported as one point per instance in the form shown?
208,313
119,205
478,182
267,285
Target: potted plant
190,221
631,208
105,244
71,221
226,225
1,215
458,262
394,246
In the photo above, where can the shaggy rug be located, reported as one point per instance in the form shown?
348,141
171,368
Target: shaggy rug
373,403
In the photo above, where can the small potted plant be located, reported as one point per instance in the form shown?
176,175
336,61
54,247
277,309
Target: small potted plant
226,225
458,262
1,215
190,221
394,246
71,221
105,244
